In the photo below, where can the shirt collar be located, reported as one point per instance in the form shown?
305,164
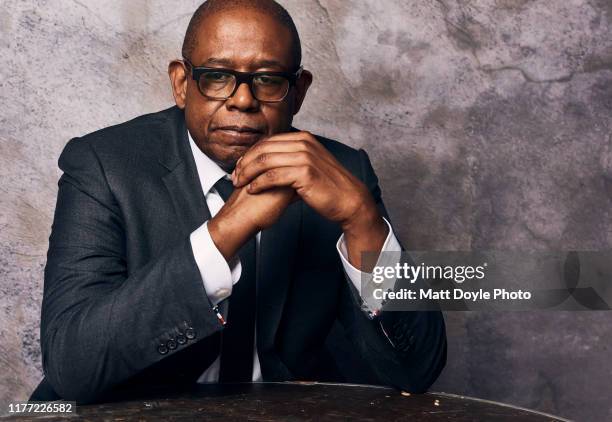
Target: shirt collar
209,172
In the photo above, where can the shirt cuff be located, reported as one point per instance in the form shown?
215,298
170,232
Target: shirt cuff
217,274
359,278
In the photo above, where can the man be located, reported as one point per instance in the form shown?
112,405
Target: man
212,242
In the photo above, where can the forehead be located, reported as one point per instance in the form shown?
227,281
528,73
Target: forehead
242,38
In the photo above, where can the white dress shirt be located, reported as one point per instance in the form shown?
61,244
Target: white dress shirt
219,276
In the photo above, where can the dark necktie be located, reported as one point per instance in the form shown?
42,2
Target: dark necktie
238,336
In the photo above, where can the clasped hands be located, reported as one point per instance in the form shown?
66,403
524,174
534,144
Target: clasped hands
288,166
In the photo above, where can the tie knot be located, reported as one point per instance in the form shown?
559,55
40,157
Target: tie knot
225,188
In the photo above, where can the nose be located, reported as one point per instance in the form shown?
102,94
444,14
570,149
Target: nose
242,100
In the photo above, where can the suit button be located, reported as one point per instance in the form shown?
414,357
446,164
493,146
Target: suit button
190,333
181,339
162,349
171,344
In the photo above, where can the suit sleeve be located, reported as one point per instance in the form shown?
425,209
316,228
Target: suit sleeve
405,349
101,323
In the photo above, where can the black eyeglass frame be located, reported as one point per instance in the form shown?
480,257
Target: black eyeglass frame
242,77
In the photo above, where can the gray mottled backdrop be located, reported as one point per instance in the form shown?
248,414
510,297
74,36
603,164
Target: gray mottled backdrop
488,122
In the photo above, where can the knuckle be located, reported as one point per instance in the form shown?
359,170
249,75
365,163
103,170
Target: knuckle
261,158
309,172
257,147
308,157
310,137
271,174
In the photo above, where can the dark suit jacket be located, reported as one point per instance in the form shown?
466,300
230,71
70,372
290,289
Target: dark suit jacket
121,279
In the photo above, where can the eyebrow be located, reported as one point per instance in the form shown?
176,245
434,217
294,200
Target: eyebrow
257,64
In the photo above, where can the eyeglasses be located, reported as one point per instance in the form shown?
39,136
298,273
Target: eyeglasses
221,84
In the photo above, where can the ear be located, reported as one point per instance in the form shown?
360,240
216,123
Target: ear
301,87
178,79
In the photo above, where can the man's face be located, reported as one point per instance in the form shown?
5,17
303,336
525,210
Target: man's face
246,41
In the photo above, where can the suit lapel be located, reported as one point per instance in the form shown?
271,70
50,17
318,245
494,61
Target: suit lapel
182,180
187,197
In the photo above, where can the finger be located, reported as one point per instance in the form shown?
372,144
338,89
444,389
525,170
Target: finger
295,177
267,161
291,136
287,142
265,147
233,175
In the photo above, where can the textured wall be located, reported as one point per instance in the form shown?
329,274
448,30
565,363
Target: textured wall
488,122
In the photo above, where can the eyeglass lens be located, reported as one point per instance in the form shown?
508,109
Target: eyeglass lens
220,85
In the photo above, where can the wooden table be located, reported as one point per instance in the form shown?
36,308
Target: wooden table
302,401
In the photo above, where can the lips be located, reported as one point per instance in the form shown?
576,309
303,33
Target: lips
239,129
239,135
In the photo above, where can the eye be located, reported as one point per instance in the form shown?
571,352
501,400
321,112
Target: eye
217,77
269,80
